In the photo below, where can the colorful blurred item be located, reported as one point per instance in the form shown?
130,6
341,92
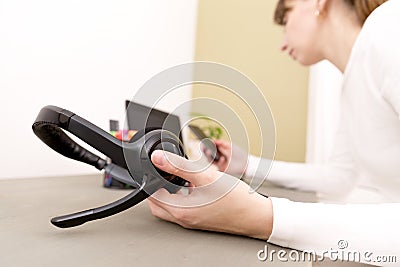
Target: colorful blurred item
123,135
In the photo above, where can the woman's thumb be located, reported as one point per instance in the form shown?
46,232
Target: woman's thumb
186,169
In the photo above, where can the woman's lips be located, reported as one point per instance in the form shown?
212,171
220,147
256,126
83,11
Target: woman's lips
291,51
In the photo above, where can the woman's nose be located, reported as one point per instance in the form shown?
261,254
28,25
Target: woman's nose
284,46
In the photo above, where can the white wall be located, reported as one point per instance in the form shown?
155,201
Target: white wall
85,56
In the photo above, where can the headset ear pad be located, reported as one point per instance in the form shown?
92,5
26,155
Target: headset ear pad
154,142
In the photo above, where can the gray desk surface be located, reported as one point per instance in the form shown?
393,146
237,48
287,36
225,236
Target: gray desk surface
131,238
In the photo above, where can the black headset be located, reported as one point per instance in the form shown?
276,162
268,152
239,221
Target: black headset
130,161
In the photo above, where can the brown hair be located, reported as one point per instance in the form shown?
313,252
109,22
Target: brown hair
363,9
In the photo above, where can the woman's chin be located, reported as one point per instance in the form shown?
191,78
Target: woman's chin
305,62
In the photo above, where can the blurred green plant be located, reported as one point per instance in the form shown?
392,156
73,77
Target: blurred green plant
211,129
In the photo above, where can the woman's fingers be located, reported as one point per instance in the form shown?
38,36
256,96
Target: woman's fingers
222,143
224,147
159,211
165,211
179,166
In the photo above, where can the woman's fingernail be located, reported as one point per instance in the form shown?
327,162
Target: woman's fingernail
158,158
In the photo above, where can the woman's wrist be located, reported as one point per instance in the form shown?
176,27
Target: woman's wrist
260,219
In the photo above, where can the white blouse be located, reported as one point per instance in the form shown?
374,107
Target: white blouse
366,156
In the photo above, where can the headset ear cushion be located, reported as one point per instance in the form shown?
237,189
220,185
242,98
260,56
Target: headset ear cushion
141,133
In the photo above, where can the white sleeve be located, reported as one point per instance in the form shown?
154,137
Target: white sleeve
372,230
391,92
385,53
337,177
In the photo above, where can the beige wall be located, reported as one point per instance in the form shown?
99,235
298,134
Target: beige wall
240,33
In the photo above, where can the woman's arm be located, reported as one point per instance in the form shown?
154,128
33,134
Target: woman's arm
220,202
338,176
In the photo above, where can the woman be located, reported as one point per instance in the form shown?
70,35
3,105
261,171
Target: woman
368,142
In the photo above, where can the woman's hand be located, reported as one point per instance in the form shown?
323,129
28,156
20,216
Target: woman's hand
217,202
233,160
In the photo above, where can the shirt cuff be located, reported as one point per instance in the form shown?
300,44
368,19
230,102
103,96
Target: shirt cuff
257,167
252,164
285,216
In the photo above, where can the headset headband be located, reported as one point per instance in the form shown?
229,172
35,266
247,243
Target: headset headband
47,128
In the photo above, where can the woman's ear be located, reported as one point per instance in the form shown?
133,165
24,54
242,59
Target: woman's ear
321,6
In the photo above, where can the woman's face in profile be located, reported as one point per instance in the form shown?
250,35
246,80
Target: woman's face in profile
301,39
